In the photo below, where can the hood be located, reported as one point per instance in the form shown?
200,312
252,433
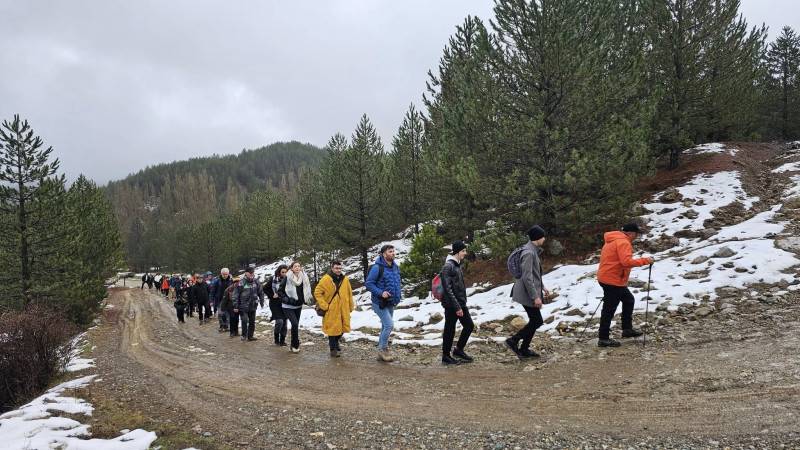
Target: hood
452,258
612,236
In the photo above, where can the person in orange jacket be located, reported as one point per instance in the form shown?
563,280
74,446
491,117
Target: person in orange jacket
616,262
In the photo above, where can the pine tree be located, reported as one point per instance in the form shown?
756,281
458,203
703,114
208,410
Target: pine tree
354,182
30,195
704,57
783,60
408,170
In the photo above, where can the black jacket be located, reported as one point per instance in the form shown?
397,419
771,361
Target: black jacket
198,293
455,293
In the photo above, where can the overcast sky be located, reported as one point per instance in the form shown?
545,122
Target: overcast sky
117,85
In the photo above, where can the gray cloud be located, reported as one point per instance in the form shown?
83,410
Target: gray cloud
117,85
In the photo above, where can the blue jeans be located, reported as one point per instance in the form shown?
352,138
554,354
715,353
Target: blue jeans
387,324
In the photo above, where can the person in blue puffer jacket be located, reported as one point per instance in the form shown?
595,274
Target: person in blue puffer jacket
384,283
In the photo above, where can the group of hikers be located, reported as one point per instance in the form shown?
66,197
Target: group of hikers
236,299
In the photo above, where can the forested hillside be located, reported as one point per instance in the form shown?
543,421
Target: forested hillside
550,113
164,205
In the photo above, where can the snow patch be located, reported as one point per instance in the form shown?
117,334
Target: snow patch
711,148
788,167
34,426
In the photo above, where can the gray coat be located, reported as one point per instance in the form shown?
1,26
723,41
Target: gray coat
530,286
247,294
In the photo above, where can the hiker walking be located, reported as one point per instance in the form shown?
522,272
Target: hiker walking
384,283
295,290
199,293
616,262
528,291
245,296
218,288
151,279
180,306
144,280
272,289
334,298
165,286
226,305
454,302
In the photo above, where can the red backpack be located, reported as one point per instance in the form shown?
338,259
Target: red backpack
436,287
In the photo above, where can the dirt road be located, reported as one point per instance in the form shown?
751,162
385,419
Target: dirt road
715,387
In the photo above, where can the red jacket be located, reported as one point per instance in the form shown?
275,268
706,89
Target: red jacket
616,259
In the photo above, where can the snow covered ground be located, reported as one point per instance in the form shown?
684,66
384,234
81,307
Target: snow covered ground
41,424
736,256
713,147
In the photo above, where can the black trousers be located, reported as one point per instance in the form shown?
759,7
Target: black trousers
248,323
179,310
450,319
612,297
293,316
233,319
526,333
191,308
281,327
143,283
203,310
333,342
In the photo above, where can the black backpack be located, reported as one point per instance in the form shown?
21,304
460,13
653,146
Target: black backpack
380,272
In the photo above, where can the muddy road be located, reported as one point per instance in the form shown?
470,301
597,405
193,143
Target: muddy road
716,387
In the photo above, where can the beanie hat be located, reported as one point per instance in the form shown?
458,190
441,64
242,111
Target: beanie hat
535,233
458,246
631,228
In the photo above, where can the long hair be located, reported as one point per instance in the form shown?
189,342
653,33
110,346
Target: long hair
278,270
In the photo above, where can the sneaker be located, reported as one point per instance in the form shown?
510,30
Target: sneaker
385,356
462,356
221,330
528,353
633,332
608,343
335,353
448,360
252,338
244,338
513,344
295,350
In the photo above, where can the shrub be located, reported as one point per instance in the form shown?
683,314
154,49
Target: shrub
35,346
497,242
426,256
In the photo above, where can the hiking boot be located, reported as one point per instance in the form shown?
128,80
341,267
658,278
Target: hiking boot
513,344
282,344
528,353
608,343
252,339
448,360
462,356
633,332
338,347
384,356
335,353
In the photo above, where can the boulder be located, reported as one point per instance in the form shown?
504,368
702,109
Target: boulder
517,323
696,275
790,244
574,312
724,252
691,214
406,319
436,318
702,311
671,195
700,260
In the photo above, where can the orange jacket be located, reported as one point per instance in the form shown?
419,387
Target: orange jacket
165,283
616,259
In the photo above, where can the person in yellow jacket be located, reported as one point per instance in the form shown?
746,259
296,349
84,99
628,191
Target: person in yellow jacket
334,297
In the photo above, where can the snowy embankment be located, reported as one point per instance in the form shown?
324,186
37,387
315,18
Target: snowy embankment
41,424
731,257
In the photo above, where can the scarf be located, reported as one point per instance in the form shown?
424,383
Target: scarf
292,282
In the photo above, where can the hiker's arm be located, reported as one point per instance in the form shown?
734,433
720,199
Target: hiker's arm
449,300
235,297
526,266
626,259
372,282
320,295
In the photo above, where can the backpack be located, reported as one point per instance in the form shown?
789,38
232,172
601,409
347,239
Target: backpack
380,272
513,263
437,290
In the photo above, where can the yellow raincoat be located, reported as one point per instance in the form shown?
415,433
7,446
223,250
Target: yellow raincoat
338,307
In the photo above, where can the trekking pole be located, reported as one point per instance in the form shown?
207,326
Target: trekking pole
589,322
647,305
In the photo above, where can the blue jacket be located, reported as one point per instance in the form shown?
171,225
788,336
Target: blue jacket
390,282
175,282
